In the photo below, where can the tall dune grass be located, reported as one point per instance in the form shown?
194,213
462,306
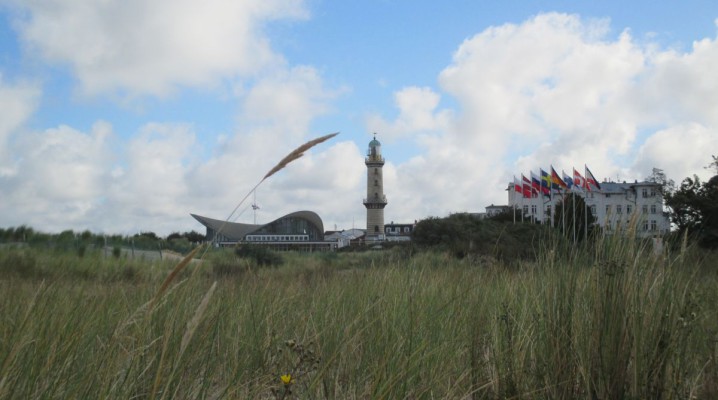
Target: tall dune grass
610,321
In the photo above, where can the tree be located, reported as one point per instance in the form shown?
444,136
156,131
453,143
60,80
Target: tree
658,176
714,164
709,237
573,218
694,208
685,205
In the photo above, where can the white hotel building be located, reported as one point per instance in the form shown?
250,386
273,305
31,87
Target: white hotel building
613,206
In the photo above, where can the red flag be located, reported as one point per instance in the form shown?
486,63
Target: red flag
517,185
580,181
526,186
590,179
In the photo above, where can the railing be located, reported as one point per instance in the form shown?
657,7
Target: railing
374,159
376,199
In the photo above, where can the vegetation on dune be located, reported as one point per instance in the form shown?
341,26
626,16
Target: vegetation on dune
610,320
466,235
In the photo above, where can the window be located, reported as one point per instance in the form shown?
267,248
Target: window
628,209
619,209
653,192
376,228
533,209
654,225
644,209
653,208
593,210
407,229
608,195
644,192
376,182
376,171
645,226
526,209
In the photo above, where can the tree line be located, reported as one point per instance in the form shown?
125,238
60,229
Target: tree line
81,240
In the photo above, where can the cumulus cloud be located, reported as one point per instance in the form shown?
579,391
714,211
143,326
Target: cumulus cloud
417,114
558,90
59,179
18,103
288,100
681,151
149,47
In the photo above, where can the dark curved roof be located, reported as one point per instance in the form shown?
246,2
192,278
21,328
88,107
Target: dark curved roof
237,231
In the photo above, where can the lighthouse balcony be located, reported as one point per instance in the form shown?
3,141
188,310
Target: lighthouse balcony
373,159
375,200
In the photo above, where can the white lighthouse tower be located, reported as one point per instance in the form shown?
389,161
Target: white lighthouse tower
375,200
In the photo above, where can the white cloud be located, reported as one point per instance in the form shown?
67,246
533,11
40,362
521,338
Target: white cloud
417,113
59,178
18,102
288,100
554,90
681,151
149,47
153,183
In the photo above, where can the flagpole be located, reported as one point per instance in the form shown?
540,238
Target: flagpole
563,213
573,220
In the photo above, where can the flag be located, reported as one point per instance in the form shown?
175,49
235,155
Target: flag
517,185
545,183
556,181
567,179
526,186
579,181
535,184
590,179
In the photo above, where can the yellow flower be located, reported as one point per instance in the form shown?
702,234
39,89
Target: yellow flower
287,379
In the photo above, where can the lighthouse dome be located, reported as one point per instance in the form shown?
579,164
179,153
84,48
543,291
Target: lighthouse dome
374,143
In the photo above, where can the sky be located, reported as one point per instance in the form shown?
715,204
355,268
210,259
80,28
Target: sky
123,116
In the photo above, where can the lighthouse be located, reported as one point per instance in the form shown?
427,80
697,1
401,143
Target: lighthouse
375,200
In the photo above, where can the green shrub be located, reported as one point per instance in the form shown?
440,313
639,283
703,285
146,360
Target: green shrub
261,255
464,234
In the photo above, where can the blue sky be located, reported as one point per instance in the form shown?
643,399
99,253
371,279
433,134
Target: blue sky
122,116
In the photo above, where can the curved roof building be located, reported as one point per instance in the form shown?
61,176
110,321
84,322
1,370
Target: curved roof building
299,226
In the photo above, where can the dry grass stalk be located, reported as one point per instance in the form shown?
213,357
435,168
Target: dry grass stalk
298,152
194,322
295,154
179,267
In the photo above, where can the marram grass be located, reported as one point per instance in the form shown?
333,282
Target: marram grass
612,321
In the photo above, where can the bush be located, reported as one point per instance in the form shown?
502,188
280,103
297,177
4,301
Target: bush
464,234
262,256
19,263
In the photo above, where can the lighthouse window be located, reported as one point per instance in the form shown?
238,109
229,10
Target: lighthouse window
376,171
376,228
376,182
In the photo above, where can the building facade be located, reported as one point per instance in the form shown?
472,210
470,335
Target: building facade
375,200
399,232
301,230
614,206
